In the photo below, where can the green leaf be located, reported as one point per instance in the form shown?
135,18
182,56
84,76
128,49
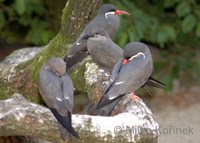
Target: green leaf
161,38
197,11
183,8
169,3
170,32
25,20
165,34
46,35
20,6
154,24
198,30
188,23
2,20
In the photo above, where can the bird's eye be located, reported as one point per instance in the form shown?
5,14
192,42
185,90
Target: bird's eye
112,10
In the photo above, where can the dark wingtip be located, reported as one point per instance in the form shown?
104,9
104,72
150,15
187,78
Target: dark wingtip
65,121
105,101
155,83
70,128
107,110
104,110
72,61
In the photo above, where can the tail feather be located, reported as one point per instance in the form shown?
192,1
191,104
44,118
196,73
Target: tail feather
76,53
71,62
148,89
155,83
65,121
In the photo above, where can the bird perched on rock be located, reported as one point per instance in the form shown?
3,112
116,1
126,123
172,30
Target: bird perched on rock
104,52
129,73
57,91
107,19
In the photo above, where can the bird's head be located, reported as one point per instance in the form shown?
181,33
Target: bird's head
107,9
56,65
133,50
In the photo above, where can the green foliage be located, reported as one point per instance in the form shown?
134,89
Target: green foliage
24,20
2,19
159,22
20,6
198,30
189,22
173,25
183,8
165,23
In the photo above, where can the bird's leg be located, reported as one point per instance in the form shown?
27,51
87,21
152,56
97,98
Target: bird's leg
133,96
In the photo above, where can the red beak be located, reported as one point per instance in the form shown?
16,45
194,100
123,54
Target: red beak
120,12
124,61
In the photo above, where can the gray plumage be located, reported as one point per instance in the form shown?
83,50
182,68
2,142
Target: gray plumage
103,50
107,19
128,77
56,89
110,24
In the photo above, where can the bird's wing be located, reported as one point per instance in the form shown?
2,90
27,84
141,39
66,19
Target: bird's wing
65,121
68,92
104,47
114,74
130,77
79,46
53,90
116,70
105,111
50,87
105,99
76,53
71,62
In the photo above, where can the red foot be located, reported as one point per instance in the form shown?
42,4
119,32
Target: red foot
134,97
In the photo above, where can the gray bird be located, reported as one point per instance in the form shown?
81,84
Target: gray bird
129,73
107,19
57,91
103,50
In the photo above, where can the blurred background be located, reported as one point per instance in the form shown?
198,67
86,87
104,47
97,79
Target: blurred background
171,28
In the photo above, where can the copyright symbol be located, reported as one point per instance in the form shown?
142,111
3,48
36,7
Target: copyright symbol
118,129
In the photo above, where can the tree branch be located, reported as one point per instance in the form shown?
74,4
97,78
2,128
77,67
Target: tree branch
22,77
18,117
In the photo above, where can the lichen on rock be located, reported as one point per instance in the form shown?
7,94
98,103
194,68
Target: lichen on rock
9,64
